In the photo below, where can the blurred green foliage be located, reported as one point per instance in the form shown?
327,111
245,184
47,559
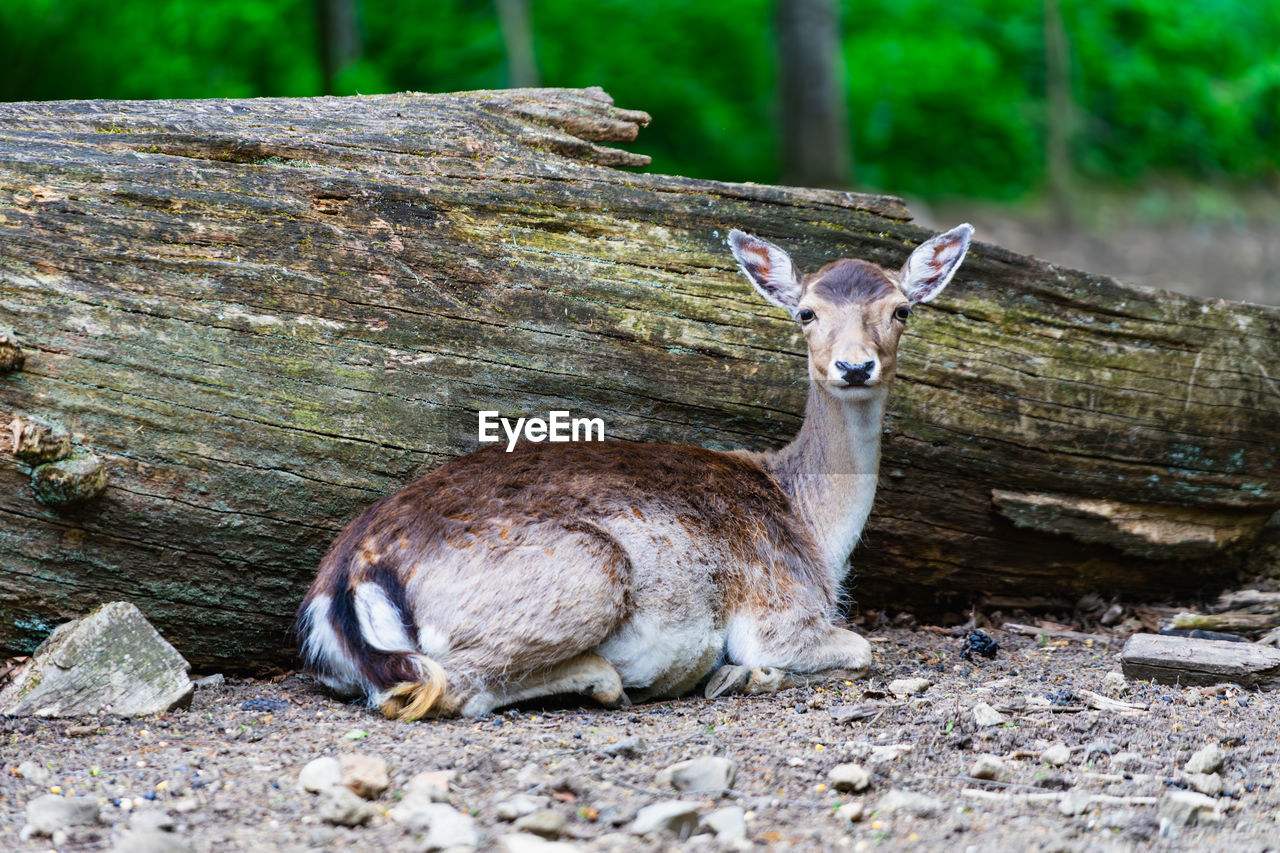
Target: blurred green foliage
947,98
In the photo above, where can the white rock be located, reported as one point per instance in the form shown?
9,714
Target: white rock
433,784
519,842
888,753
1114,682
1207,759
1074,803
339,805
52,813
210,681
908,686
1056,755
111,661
519,806
708,773
1126,761
417,811
991,767
151,820
320,774
727,824
851,812
920,805
674,816
985,716
34,773
1183,808
547,823
849,777
365,774
1209,784
150,841
451,828
530,775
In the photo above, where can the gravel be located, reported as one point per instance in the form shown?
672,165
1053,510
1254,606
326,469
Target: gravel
227,778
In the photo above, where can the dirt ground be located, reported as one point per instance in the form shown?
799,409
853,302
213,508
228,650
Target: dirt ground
226,769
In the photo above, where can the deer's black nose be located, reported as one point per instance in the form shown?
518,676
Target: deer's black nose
856,374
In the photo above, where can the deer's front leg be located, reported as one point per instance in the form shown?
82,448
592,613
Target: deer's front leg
770,653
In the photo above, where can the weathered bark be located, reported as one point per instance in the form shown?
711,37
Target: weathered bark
263,315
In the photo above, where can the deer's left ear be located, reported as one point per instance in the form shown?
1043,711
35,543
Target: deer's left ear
934,262
769,268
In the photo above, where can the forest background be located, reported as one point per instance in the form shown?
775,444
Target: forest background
1136,137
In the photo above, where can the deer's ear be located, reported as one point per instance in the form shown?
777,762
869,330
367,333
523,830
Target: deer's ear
768,267
934,262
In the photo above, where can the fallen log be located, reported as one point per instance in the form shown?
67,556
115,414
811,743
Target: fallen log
1187,662
233,324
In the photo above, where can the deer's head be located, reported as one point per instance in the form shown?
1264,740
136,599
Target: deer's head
852,311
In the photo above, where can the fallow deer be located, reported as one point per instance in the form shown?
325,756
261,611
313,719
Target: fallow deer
626,571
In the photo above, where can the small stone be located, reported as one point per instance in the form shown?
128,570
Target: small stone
151,820
1113,615
727,824
849,777
52,813
1207,759
209,682
1098,748
1126,761
416,812
1114,682
908,686
990,767
1184,808
150,841
629,746
340,806
366,775
1074,803
1056,755
520,805
888,753
709,773
547,823
920,805
675,816
985,716
450,828
519,842
111,661
35,774
432,784
850,813
1209,784
83,731
320,774
530,775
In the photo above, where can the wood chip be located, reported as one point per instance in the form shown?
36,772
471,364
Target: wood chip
1186,661
1058,633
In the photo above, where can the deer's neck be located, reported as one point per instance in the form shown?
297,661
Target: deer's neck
830,472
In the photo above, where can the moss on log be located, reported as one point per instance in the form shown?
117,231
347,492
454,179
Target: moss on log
262,315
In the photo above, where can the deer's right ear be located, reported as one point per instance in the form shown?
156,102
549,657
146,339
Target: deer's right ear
769,268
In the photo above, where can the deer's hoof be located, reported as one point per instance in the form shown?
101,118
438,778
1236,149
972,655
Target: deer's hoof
728,680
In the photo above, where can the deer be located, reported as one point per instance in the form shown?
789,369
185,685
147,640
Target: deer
630,571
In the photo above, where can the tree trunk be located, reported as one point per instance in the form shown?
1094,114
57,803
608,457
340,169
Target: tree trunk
817,150
260,316
515,21
338,34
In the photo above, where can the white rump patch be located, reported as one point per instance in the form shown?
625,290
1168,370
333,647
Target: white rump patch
381,624
432,643
322,649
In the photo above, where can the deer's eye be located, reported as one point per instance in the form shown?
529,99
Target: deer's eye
806,316
902,312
